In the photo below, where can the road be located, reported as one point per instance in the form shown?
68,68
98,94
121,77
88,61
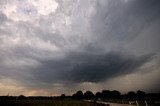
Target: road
114,104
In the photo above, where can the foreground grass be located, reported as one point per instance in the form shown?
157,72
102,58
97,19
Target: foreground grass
47,103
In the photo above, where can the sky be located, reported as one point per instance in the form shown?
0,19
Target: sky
50,47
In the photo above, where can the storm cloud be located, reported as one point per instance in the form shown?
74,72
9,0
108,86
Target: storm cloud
58,42
85,67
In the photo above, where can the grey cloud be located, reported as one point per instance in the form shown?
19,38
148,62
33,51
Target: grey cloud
102,41
85,67
2,17
122,22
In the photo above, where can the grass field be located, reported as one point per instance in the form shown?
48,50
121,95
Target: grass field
47,103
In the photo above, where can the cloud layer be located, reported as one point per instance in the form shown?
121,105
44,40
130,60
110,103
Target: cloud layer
88,67
60,43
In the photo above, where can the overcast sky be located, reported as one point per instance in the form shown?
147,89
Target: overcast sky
62,46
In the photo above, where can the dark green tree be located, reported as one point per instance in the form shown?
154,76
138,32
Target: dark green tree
21,97
141,93
98,95
88,95
62,96
131,94
106,94
78,95
115,94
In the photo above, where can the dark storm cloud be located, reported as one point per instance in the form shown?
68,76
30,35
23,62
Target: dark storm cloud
85,67
122,22
82,41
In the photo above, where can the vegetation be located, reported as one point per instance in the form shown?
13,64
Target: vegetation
88,95
83,99
46,102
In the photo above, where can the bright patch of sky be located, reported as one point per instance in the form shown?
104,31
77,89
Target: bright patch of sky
25,10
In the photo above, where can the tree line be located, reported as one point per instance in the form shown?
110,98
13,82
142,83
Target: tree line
107,94
89,95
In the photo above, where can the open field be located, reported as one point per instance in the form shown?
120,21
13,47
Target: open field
64,102
47,103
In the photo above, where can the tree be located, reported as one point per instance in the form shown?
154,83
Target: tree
106,94
131,94
62,96
98,95
78,95
88,95
21,97
115,94
74,96
141,93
